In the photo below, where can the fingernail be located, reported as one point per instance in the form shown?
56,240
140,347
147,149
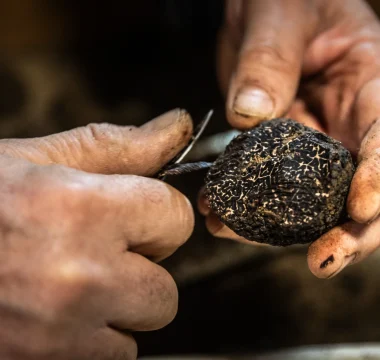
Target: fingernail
167,119
254,103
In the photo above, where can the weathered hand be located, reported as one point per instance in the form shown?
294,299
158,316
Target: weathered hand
78,244
317,61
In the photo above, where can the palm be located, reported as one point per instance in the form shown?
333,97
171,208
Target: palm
330,97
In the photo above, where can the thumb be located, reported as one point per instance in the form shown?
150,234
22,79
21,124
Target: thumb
266,75
109,149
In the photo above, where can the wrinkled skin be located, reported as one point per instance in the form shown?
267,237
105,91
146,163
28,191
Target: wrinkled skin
317,61
79,244
81,229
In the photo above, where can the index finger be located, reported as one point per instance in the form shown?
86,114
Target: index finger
269,63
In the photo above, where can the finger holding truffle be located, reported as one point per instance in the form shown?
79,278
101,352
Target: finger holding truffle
344,245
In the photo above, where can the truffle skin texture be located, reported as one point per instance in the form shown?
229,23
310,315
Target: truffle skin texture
281,183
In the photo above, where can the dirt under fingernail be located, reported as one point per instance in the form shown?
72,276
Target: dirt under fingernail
327,262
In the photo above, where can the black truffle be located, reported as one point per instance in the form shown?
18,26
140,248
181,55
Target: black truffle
281,183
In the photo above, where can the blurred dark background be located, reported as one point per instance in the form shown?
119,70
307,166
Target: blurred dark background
68,63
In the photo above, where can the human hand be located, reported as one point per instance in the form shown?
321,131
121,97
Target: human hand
78,245
316,61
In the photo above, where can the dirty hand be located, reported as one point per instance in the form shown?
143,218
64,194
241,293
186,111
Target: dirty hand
78,244
311,59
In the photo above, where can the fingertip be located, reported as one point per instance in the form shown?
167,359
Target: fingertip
174,128
249,106
331,266
185,123
331,253
176,116
323,263
160,140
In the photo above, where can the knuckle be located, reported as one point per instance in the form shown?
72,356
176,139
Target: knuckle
103,134
45,343
45,179
68,285
152,191
28,195
103,141
233,21
271,56
99,131
176,205
364,52
55,195
173,205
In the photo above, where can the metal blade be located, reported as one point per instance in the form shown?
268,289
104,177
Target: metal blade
198,133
